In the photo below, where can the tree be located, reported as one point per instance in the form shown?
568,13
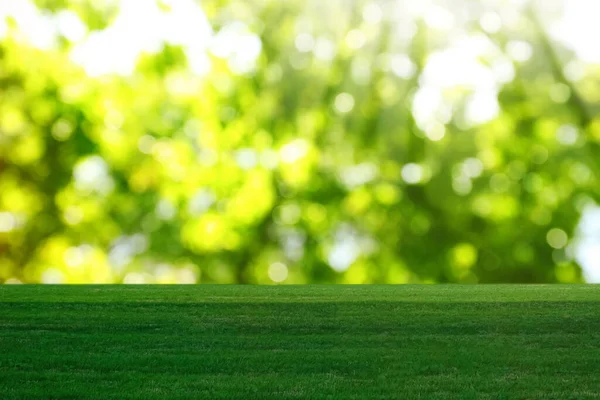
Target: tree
391,145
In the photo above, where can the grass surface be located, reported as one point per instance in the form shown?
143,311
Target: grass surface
283,342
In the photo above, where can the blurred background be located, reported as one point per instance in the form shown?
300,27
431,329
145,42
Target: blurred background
307,141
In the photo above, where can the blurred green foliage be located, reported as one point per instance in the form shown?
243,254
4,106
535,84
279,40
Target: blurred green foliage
310,160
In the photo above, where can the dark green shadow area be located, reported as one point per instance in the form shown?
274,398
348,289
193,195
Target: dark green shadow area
187,342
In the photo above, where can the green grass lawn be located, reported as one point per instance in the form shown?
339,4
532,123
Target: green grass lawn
301,342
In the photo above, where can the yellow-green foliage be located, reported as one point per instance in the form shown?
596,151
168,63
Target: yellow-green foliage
311,161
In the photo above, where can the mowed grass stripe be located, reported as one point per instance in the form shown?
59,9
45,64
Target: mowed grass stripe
280,342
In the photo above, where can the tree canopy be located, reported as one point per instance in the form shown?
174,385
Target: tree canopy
294,142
